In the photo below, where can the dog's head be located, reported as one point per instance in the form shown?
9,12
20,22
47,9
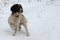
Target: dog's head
17,8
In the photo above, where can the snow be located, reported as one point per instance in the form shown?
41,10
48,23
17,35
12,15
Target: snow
43,21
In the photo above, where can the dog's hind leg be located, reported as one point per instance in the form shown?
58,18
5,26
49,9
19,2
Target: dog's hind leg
19,28
25,26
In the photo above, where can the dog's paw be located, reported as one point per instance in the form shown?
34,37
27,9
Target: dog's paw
27,35
13,34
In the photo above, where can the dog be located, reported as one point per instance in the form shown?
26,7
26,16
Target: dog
17,19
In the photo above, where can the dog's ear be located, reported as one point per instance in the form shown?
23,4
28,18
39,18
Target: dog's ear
15,8
12,8
21,9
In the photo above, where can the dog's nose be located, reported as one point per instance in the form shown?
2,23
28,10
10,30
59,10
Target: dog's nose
21,10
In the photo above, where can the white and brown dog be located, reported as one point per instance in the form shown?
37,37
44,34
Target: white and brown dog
17,19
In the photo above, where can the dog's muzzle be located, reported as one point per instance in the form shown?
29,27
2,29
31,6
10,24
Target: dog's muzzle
21,10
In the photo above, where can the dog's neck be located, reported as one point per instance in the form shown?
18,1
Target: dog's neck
15,14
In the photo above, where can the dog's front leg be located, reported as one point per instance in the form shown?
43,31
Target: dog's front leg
15,30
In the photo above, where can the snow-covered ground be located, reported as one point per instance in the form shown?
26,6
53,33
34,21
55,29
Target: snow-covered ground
43,21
